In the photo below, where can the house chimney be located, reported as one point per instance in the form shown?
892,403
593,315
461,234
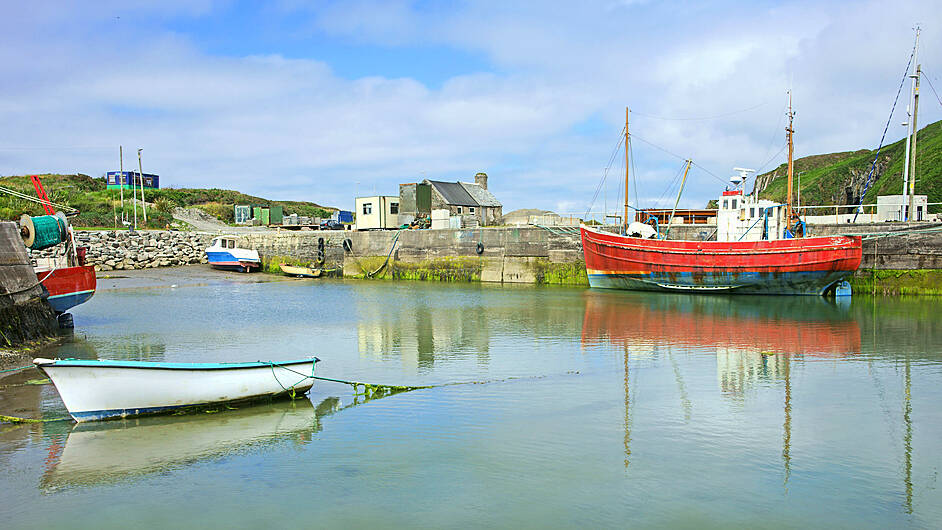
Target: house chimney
481,180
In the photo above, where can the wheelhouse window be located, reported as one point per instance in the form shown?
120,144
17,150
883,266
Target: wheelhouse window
734,204
752,212
394,207
367,208
725,204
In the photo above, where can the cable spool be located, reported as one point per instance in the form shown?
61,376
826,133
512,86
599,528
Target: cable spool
44,231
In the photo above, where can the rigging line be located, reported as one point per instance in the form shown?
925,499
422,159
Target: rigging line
611,160
675,155
776,155
876,157
926,77
701,118
724,181
775,133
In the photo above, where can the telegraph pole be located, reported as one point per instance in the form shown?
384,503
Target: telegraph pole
141,176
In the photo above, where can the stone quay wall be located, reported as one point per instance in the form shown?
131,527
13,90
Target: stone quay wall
123,250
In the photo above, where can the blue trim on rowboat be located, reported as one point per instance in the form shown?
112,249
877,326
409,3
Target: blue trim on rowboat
170,366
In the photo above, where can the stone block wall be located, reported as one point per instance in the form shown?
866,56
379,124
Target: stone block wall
122,250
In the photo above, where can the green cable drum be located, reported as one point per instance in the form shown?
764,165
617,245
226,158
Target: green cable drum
43,232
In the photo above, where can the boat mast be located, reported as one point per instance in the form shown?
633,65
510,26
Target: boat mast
908,180
679,192
790,131
625,218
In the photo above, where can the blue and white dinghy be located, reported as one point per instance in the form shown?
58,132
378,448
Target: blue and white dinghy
99,390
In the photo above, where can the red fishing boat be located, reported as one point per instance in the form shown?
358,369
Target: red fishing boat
68,286
811,265
757,251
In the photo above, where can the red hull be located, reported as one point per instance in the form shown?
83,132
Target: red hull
809,265
68,286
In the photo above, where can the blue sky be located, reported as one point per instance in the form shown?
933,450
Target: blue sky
322,100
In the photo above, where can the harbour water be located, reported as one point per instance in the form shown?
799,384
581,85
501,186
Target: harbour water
582,408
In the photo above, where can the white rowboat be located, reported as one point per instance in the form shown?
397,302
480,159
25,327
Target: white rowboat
98,390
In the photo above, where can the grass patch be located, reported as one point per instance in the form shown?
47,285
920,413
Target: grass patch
921,282
549,273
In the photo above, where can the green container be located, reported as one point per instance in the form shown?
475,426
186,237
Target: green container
423,198
276,215
265,218
257,213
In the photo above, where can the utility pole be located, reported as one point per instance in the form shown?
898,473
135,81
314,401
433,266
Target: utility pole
140,168
121,179
909,133
134,194
912,163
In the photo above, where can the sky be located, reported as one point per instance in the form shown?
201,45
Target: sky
324,101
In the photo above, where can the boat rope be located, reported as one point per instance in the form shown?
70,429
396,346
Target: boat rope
18,368
70,211
926,77
389,255
873,165
17,419
611,161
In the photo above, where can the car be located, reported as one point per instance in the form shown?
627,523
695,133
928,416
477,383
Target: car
331,224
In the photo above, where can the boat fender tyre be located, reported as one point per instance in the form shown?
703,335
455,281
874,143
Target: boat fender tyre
348,245
480,249
319,257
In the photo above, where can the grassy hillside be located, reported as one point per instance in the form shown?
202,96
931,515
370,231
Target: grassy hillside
840,178
98,205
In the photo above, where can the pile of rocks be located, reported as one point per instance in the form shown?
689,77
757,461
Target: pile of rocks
120,250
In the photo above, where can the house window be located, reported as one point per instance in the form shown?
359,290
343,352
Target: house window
459,209
367,208
149,182
394,207
471,209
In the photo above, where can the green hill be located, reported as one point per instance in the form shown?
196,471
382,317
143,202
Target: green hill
840,178
99,206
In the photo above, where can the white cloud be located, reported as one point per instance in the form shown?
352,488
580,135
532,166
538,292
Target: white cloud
82,82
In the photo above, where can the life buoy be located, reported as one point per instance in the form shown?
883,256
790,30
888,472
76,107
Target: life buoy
480,249
348,245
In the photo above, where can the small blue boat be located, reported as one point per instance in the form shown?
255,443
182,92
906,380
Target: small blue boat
225,254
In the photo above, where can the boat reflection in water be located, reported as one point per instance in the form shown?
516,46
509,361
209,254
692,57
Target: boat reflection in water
753,338
110,451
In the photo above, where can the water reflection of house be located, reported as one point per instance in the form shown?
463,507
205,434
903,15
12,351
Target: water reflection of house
423,335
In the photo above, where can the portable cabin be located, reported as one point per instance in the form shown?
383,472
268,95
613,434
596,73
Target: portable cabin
125,179
378,212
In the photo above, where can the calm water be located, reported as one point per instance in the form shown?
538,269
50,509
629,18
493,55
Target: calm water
604,409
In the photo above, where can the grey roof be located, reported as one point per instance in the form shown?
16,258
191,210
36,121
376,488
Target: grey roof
480,195
453,193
